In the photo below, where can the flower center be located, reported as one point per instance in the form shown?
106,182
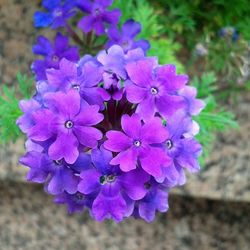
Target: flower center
147,185
169,144
58,13
107,179
137,143
79,196
75,86
154,91
69,124
55,58
58,162
97,11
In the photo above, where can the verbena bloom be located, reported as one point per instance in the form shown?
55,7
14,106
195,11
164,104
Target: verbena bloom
156,199
136,144
59,176
182,149
194,106
111,186
68,119
126,37
113,61
154,89
97,16
52,54
58,11
110,133
84,78
75,202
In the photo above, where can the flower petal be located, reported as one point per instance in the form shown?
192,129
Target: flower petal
65,146
117,141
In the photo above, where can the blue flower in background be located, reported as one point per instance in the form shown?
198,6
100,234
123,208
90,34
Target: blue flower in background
58,12
229,32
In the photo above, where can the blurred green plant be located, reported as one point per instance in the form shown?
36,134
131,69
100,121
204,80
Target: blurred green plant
9,109
152,29
213,118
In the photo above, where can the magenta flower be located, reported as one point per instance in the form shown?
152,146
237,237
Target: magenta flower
154,89
84,79
113,62
136,146
112,188
97,15
68,119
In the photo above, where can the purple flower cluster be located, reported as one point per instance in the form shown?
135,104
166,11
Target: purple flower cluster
97,138
110,133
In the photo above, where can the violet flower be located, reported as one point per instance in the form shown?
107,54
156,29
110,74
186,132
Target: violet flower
137,144
194,106
111,186
97,15
75,202
84,79
184,151
113,62
58,175
154,89
126,38
52,54
58,13
68,119
156,199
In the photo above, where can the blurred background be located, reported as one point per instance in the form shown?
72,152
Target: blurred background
210,41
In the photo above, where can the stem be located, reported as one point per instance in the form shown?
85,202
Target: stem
74,35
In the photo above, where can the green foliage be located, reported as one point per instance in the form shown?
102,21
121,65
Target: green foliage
9,109
213,118
152,29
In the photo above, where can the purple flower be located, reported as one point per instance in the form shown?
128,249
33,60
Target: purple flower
126,38
75,202
68,119
97,15
52,54
28,107
156,199
58,175
58,13
112,187
154,89
84,79
137,144
194,106
113,62
184,151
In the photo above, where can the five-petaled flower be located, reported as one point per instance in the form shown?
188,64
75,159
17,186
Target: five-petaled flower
68,119
137,145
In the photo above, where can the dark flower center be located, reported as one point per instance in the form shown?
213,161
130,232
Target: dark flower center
97,11
107,179
55,58
58,162
69,124
58,13
137,143
75,86
154,91
147,185
79,196
169,144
